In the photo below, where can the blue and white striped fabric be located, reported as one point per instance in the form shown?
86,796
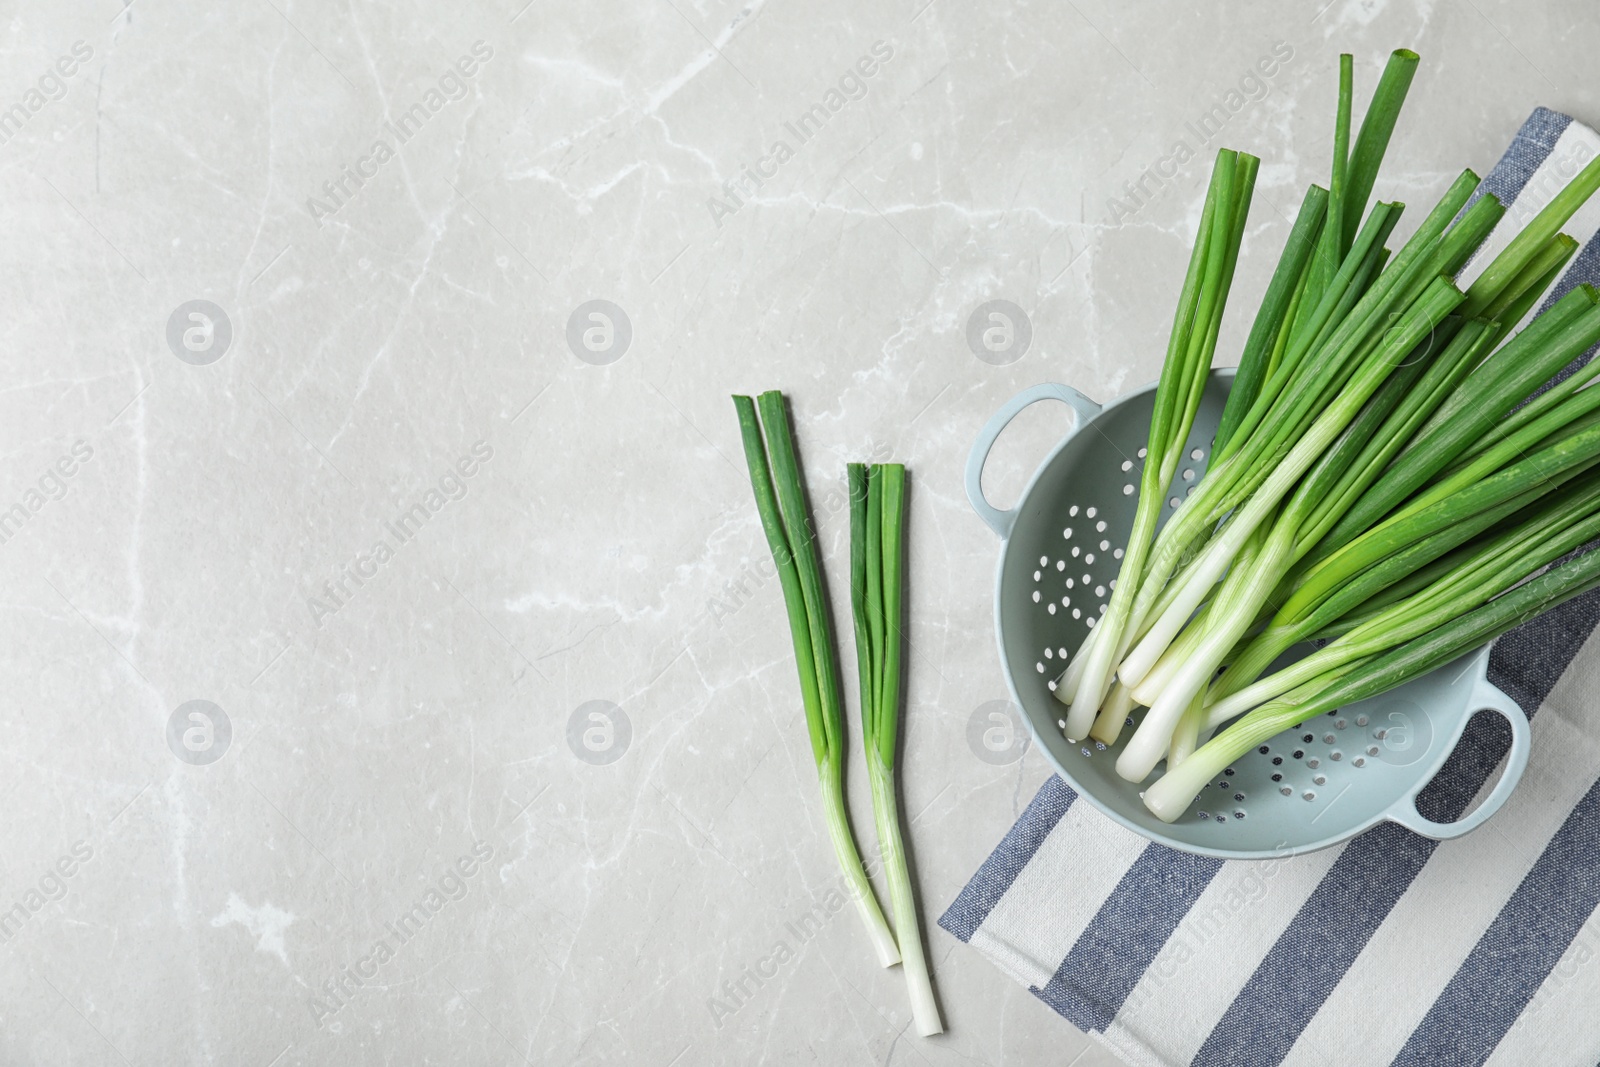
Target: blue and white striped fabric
1392,949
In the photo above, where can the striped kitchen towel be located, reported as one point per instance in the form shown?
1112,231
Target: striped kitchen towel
1390,949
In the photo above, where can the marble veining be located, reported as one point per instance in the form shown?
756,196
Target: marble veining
394,673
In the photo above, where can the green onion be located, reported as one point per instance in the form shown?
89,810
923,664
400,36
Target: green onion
1144,749
1537,473
1392,577
1331,245
1395,466
1531,240
1537,408
1376,129
1562,522
877,554
1484,398
1533,279
1183,378
1309,391
780,501
1287,284
1389,420
1172,794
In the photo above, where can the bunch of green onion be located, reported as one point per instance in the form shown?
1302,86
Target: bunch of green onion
1392,471
877,582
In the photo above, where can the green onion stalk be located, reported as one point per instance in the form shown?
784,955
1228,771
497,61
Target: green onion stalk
1312,381
1172,794
1318,367
1448,493
781,503
1394,466
1474,427
1448,253
1270,332
1561,523
1149,742
877,558
1488,479
1178,394
1470,414
1395,494
1488,474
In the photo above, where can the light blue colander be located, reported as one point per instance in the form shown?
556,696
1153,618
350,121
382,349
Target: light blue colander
1314,786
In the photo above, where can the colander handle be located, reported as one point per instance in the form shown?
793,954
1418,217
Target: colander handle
1000,521
1484,696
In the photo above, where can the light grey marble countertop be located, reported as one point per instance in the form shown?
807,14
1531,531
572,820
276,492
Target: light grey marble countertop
295,425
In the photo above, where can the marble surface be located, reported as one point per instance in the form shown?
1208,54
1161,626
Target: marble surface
363,589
